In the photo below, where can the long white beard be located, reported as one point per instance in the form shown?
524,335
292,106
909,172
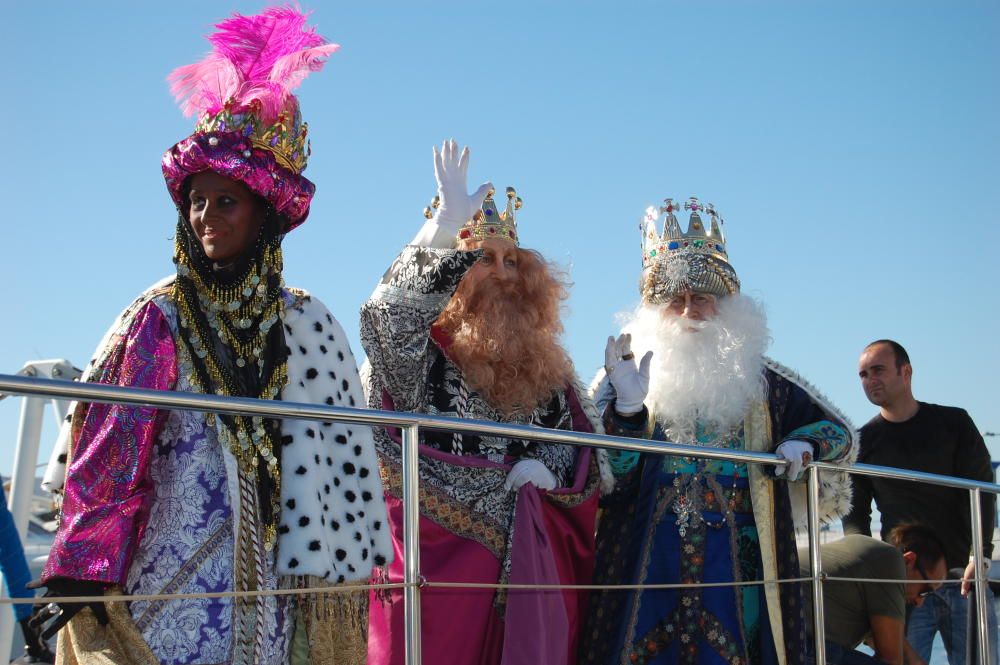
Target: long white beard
710,374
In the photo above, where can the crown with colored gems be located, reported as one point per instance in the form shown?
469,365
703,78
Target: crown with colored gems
488,223
286,138
675,260
697,239
249,125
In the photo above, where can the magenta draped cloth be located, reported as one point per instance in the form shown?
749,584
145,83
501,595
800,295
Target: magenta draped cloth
553,543
107,494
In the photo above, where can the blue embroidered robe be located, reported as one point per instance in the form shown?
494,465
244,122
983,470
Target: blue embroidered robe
687,521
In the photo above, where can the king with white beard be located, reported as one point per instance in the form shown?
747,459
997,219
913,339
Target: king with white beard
702,379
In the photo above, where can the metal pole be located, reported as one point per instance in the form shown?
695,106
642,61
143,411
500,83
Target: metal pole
6,629
816,564
411,543
982,608
105,394
22,486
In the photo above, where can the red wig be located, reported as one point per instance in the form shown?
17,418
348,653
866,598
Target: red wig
505,335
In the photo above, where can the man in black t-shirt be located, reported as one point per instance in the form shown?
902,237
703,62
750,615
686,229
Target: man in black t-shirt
914,435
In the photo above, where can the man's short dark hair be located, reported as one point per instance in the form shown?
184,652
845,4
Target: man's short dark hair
902,357
921,541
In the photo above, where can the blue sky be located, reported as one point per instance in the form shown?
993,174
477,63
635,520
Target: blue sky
851,147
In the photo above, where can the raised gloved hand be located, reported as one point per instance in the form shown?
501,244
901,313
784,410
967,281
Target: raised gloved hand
798,453
456,206
529,471
631,382
62,612
451,170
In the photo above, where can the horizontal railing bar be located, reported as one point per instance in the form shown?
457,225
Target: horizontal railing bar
608,587
123,598
906,474
357,588
615,587
95,392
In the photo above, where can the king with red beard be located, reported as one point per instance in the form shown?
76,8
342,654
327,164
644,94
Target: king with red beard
466,324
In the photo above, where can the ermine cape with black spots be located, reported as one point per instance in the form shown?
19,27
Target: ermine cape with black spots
158,504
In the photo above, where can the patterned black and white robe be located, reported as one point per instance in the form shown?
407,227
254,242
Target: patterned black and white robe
462,476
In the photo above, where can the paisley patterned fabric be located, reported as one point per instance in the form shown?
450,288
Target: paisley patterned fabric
189,548
230,154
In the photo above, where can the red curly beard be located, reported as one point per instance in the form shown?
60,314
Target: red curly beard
505,335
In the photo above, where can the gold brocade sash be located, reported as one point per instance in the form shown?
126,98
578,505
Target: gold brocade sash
757,430
335,633
336,627
85,642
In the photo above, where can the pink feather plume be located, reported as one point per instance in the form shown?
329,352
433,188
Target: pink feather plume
262,57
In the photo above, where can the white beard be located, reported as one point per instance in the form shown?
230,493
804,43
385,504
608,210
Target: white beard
710,374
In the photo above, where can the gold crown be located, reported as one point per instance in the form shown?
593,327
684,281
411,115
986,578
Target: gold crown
287,141
655,245
675,260
487,223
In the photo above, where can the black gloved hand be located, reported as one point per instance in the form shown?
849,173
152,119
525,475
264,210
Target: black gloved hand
35,648
59,587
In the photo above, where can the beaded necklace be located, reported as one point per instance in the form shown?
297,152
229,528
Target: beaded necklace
236,347
697,489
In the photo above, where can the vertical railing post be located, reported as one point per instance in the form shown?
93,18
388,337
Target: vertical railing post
22,487
411,542
22,482
982,608
816,564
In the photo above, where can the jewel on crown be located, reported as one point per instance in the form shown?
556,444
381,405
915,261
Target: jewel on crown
488,223
696,239
286,138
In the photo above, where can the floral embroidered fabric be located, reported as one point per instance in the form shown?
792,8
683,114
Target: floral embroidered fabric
189,548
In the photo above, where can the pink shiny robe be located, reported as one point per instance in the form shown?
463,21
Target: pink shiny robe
553,544
108,488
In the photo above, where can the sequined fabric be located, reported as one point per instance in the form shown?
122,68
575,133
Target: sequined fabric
231,154
108,494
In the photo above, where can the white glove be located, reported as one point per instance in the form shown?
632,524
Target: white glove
529,471
456,207
798,453
631,383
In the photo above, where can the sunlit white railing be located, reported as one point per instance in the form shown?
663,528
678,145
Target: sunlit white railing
410,425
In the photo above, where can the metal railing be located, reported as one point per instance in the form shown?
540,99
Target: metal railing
410,425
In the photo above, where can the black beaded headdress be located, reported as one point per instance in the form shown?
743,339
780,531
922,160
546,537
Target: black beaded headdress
232,343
